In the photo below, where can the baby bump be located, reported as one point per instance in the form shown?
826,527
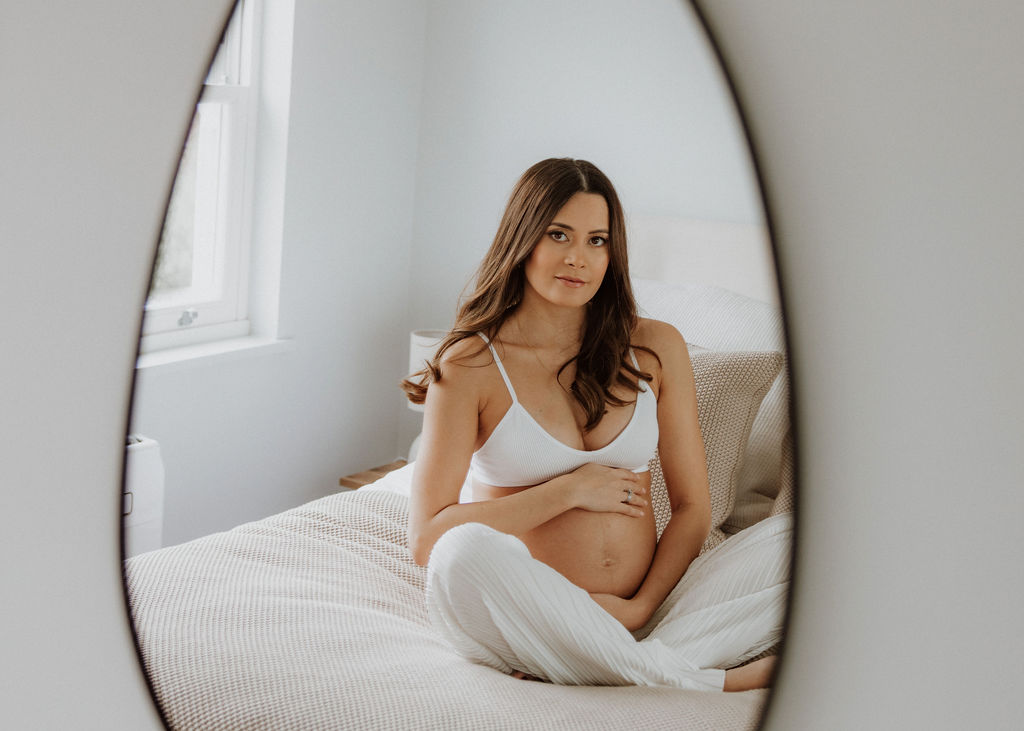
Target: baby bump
600,552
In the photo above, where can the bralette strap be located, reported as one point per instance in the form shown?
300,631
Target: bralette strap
501,368
636,364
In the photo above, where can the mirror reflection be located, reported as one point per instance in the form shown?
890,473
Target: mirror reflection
346,172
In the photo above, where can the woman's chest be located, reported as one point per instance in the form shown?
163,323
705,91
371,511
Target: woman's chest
554,409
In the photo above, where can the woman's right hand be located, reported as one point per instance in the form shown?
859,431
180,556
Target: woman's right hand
602,489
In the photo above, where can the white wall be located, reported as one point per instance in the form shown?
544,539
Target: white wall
247,437
409,124
632,87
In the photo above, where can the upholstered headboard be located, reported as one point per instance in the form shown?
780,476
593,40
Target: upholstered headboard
734,256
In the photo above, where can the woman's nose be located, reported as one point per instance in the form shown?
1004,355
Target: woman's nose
574,257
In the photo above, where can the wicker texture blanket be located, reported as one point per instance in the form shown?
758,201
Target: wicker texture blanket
315,619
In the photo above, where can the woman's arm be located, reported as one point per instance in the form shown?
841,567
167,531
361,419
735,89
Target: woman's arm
684,465
450,432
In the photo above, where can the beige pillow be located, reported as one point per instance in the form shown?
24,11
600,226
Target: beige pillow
785,502
730,387
722,320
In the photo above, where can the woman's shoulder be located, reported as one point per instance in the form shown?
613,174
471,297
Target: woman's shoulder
657,336
664,350
464,362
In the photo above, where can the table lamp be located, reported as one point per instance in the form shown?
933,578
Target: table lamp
422,346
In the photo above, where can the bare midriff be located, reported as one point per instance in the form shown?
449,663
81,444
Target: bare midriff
599,552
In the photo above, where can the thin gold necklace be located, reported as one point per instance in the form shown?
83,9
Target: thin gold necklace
546,368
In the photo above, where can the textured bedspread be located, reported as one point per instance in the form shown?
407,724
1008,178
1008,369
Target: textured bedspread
315,619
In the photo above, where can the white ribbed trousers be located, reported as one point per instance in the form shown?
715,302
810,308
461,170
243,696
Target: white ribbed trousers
497,605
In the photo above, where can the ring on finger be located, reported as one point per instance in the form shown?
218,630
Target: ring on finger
629,494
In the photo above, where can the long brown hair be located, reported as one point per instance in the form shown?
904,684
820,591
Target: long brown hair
611,313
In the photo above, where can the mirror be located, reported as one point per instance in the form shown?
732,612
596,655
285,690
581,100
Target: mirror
386,141
62,537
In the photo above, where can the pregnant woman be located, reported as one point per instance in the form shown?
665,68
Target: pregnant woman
553,395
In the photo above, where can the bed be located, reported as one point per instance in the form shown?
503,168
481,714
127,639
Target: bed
315,617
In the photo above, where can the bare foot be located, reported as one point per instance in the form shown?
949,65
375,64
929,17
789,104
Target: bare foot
523,676
757,674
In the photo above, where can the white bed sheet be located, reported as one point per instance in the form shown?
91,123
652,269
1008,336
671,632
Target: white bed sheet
315,618
399,482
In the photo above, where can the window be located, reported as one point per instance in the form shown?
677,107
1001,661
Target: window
200,286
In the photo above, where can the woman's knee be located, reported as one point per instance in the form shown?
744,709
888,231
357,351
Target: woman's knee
467,547
462,538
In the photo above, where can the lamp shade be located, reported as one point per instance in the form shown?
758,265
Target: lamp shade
422,346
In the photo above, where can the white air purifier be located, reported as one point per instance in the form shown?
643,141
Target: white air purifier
143,496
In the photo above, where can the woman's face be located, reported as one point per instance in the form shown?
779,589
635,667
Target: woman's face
567,265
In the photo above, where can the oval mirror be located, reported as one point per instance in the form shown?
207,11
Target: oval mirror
344,175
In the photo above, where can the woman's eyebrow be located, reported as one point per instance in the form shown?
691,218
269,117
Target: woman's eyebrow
570,228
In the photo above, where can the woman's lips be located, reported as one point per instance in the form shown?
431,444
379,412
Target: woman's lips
571,282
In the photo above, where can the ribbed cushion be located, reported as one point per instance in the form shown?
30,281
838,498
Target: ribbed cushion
316,619
786,502
730,387
719,319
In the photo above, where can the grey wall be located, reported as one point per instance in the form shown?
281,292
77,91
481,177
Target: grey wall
97,101
890,140
890,151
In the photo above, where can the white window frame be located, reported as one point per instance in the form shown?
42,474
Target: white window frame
216,306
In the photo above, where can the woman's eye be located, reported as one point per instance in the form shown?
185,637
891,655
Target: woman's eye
598,241
558,235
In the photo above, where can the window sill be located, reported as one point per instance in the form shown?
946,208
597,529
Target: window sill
220,351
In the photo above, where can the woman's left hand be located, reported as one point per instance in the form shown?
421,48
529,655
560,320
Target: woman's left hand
632,613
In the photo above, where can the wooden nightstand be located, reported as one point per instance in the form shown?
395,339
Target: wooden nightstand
371,475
